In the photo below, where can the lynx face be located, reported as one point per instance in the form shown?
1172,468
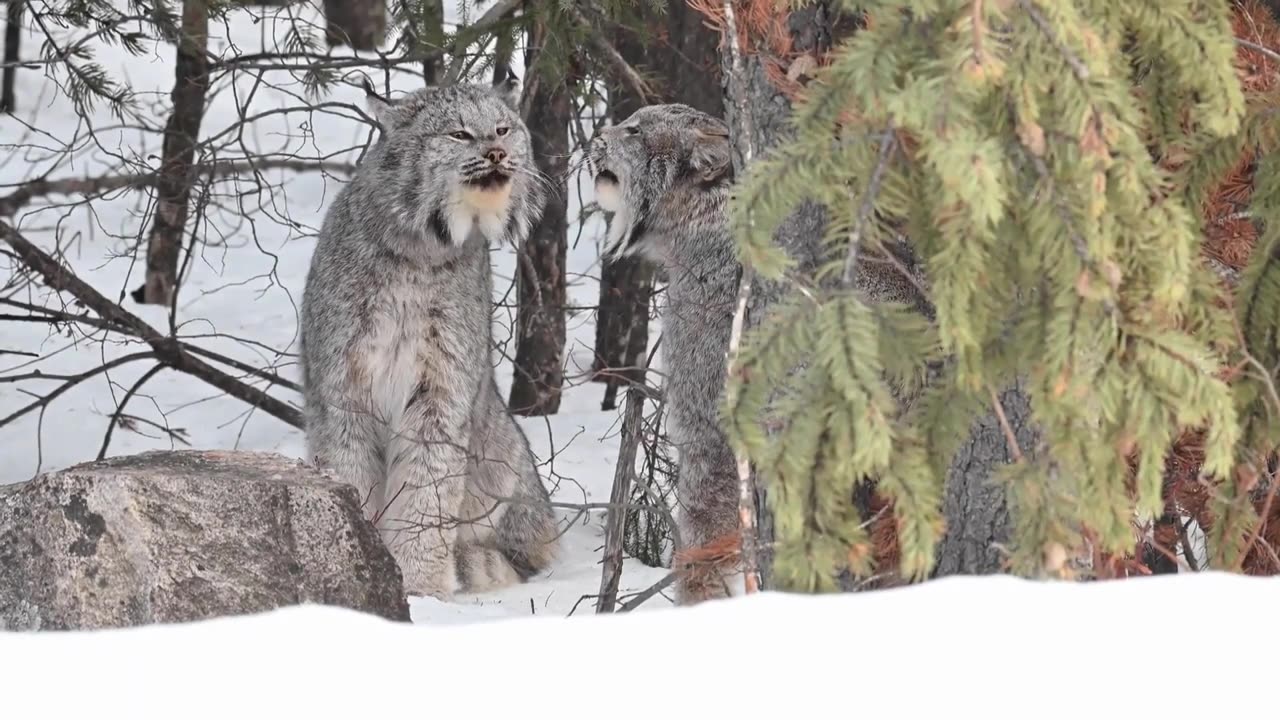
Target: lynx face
643,162
458,156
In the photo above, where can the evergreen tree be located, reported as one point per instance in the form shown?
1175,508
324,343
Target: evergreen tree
1049,162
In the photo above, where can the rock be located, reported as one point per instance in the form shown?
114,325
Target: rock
166,537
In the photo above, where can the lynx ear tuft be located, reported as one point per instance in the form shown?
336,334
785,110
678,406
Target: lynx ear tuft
507,85
377,105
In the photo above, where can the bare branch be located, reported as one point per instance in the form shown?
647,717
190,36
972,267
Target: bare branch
167,349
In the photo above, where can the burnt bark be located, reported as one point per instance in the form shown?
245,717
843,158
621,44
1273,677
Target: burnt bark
12,40
360,24
540,270
177,175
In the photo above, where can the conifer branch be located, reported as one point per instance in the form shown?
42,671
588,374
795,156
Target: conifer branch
1077,65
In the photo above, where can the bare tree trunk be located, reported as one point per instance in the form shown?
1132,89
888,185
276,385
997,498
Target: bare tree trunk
12,38
626,285
181,135
361,24
540,272
689,65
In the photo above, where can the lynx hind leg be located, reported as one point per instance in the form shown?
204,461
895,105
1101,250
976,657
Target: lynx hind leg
708,520
520,538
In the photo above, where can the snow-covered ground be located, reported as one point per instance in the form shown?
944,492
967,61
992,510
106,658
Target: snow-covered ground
991,648
243,292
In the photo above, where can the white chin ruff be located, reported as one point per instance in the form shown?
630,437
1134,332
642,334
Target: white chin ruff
608,195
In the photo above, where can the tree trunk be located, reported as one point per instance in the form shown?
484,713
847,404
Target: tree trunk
176,176
423,21
540,272
12,38
361,24
686,63
976,511
626,285
810,28
689,64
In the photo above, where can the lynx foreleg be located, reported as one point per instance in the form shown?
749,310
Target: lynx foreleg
346,441
426,479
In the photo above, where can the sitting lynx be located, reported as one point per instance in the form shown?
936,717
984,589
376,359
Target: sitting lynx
396,341
666,173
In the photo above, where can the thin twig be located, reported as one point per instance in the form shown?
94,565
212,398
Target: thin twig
887,144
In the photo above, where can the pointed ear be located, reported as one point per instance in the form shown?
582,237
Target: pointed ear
711,158
507,85
377,105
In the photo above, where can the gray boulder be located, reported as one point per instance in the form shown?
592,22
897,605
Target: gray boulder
166,537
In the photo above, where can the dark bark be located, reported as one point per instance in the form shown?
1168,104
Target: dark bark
682,52
1274,7
360,24
540,271
176,177
976,511
688,62
424,32
12,39
811,31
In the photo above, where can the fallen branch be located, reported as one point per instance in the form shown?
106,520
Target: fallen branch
167,350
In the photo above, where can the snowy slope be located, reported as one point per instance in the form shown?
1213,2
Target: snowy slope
989,648
246,286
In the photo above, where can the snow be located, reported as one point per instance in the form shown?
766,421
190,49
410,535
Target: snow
993,647
243,293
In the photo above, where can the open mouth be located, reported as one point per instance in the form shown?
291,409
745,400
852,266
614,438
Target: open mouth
606,176
490,181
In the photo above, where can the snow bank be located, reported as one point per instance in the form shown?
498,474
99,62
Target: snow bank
997,647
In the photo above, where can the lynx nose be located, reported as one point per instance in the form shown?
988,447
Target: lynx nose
496,155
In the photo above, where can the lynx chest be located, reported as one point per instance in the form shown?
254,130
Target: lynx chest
427,334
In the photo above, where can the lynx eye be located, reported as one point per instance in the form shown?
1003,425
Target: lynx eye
631,130
502,130
461,135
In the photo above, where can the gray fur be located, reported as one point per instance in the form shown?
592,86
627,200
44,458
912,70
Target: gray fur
396,339
673,176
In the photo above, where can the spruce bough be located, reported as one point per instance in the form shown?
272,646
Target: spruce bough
1047,160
